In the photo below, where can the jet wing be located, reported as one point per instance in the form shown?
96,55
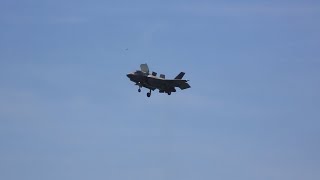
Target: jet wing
167,83
146,86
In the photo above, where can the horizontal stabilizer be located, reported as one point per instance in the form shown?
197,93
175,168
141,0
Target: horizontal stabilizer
180,76
184,86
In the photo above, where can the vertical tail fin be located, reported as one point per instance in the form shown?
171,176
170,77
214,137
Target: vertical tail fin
180,76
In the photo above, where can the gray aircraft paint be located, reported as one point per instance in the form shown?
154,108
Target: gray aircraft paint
143,78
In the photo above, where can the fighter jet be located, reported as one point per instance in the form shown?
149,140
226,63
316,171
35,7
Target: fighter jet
143,78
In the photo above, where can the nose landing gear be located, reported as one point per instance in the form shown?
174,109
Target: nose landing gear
139,84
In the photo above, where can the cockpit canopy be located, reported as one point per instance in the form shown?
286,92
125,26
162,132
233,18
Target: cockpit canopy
139,73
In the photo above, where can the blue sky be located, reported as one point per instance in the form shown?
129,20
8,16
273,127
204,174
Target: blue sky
67,110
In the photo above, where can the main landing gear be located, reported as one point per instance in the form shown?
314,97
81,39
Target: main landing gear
149,93
169,93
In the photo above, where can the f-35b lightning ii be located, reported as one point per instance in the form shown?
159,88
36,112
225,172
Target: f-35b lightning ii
143,78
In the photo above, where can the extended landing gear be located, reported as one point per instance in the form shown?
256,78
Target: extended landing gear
149,93
169,93
140,86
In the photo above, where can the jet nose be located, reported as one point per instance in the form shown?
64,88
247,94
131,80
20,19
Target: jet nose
129,75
